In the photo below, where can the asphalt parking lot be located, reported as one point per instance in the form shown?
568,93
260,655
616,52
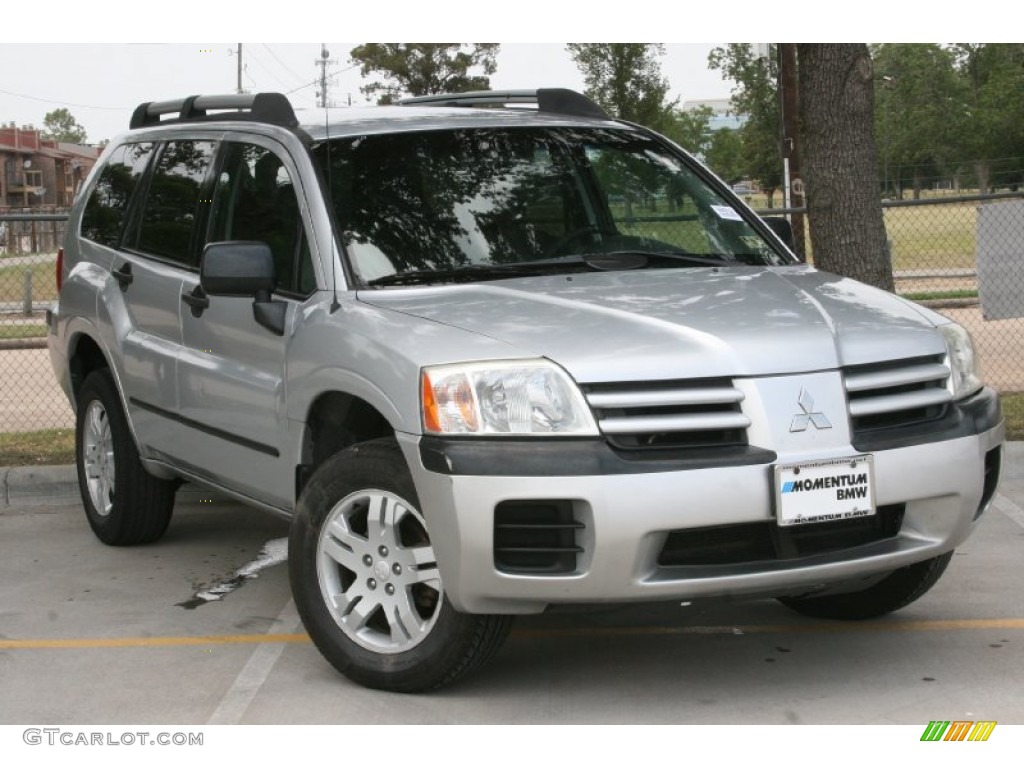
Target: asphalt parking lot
92,634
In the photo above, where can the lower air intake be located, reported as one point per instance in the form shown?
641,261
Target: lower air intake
536,537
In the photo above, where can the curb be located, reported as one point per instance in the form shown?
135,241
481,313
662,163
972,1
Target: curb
58,485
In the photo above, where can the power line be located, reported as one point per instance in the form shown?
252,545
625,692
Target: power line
63,103
265,68
278,60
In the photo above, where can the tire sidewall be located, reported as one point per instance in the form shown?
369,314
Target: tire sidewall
376,465
98,387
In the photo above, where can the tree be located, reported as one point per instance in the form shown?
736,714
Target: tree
691,129
840,164
626,80
60,125
725,155
918,111
993,134
755,96
419,69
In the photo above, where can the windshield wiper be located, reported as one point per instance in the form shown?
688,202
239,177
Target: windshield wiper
458,274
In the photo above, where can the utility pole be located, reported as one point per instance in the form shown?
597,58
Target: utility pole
793,183
322,62
240,69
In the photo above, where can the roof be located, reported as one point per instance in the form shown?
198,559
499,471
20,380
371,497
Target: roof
320,124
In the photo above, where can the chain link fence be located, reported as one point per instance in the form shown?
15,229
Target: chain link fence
962,256
30,399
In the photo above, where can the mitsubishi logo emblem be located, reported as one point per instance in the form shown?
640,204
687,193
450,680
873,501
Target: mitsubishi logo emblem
809,415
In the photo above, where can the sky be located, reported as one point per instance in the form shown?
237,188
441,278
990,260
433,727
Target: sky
102,83
84,62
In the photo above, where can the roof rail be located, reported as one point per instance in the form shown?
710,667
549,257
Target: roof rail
559,101
262,107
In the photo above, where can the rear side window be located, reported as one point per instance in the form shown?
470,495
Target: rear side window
175,202
105,212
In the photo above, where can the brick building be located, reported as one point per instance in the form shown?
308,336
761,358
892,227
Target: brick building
40,173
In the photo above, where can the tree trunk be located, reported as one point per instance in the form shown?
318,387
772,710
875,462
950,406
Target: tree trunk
840,162
981,171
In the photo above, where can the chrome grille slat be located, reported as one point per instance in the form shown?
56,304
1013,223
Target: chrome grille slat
684,423
897,377
925,398
664,397
669,414
896,393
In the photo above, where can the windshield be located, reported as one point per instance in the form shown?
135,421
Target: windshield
489,202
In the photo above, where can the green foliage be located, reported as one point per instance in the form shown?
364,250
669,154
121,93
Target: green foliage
725,155
992,130
420,69
755,95
626,80
690,129
60,125
918,114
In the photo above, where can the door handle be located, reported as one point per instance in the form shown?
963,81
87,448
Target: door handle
197,300
123,275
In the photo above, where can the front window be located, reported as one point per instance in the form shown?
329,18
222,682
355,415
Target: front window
487,203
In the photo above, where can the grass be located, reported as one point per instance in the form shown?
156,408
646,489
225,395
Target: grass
932,237
22,331
12,282
962,293
48,446
1013,411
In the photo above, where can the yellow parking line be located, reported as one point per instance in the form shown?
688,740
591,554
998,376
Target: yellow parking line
154,642
729,629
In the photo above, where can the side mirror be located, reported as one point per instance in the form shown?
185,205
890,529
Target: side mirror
244,268
782,229
237,268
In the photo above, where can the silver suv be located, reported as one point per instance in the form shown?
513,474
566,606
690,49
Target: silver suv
497,359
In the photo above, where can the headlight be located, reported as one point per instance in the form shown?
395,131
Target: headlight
532,397
965,378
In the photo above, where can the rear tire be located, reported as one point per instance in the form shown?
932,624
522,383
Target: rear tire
124,504
366,582
897,590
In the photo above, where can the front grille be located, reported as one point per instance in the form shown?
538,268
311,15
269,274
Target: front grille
898,393
536,537
669,414
767,542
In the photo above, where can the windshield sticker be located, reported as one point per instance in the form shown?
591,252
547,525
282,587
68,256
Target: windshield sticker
727,213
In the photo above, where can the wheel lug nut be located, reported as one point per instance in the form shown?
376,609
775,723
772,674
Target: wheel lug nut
371,583
396,568
367,560
383,551
389,588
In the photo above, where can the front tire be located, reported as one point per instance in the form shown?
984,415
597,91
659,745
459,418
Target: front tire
124,504
366,582
897,590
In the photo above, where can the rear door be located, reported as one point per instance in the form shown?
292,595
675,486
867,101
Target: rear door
157,250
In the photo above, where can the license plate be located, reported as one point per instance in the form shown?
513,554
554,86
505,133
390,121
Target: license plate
824,491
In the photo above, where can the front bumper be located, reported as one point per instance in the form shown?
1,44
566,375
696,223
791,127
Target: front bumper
628,515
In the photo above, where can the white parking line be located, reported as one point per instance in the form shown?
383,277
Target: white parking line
257,669
1009,509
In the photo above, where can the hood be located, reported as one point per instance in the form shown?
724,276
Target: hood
682,323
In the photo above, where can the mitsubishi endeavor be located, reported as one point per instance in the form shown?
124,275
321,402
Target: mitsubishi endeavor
494,353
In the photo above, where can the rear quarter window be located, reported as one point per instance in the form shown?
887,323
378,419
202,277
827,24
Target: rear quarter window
105,212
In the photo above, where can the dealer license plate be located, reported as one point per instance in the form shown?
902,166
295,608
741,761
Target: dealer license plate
824,491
